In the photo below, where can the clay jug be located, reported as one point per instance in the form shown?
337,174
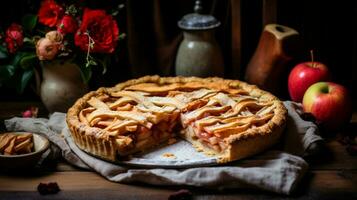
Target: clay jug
61,85
199,53
277,46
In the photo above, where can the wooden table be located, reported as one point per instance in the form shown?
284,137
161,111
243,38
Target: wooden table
331,176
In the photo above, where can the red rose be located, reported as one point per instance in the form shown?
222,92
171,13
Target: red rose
67,25
50,13
102,29
14,37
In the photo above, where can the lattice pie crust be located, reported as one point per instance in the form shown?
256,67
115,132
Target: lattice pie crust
226,118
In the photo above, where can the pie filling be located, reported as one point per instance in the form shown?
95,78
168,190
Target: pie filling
145,114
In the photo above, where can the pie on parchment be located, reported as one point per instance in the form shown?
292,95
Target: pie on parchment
226,118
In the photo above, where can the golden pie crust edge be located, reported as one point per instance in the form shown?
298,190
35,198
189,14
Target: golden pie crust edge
248,143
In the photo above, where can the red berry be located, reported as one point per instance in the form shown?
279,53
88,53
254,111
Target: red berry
27,114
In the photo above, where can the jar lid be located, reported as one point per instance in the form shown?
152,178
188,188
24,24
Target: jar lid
198,21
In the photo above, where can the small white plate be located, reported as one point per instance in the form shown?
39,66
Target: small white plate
184,156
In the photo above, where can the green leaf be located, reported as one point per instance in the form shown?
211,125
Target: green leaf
29,22
122,36
90,63
72,10
3,55
6,72
3,52
104,63
28,61
104,68
17,58
28,40
86,73
115,13
25,78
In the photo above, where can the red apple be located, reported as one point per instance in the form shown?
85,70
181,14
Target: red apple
303,75
329,103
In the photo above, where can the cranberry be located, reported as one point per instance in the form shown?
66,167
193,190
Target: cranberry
48,188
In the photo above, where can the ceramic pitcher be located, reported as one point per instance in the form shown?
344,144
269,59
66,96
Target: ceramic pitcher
199,53
61,85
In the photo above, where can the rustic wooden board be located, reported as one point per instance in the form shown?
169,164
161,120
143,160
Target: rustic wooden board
335,158
88,185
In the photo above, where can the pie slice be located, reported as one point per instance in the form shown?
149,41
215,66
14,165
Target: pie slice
226,118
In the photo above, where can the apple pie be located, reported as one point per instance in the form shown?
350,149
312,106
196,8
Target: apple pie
229,119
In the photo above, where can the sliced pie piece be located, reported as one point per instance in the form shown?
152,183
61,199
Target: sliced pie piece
226,118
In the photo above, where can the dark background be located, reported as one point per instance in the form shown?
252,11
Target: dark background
328,27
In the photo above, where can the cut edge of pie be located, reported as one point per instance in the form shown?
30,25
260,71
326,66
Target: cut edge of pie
101,143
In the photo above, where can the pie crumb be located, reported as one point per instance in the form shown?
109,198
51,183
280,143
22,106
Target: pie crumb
209,153
198,148
169,155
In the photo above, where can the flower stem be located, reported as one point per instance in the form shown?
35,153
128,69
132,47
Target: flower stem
90,46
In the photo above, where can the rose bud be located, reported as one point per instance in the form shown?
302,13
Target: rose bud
27,114
31,112
47,49
11,45
54,36
67,25
14,37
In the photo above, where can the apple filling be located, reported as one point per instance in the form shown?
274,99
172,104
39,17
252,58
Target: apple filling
221,116
127,119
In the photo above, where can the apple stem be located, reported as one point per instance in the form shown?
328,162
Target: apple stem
312,58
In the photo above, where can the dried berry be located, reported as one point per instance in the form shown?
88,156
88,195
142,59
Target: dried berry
48,188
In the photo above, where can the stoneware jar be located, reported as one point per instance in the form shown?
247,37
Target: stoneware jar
268,66
61,85
199,53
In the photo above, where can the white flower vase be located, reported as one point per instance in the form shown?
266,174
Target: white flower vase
61,85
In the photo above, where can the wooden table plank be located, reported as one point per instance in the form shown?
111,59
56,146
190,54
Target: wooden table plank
76,184
68,181
63,166
335,157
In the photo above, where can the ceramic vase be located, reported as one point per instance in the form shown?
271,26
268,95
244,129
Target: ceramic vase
61,85
199,55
